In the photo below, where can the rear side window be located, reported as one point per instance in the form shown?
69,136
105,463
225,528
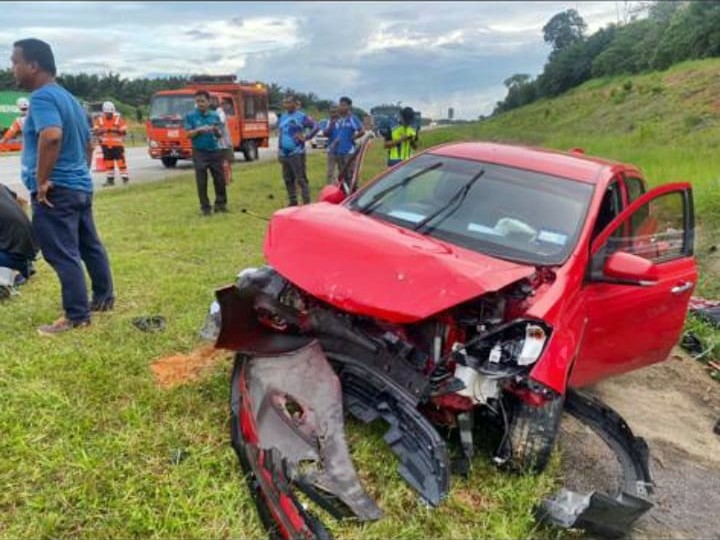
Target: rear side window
635,188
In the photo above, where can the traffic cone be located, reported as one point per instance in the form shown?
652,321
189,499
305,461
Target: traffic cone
98,161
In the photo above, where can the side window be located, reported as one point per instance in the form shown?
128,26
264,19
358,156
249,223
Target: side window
656,231
255,107
610,207
250,107
635,188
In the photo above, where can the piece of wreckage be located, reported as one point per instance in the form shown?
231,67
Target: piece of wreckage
371,307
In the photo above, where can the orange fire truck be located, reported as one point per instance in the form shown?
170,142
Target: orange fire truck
246,109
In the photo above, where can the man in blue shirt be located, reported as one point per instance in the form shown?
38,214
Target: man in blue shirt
204,128
56,156
343,131
331,175
294,128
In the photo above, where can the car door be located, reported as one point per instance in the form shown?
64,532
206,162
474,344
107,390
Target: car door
630,325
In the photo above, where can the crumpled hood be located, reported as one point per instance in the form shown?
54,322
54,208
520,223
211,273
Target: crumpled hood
368,267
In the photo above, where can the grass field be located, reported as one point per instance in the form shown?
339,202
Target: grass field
91,447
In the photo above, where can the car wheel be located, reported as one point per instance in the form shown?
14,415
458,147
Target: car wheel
532,433
250,151
169,162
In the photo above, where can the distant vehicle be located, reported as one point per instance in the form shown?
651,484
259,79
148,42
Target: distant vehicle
8,113
320,140
244,103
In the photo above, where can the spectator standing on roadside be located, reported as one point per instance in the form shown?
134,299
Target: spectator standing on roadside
344,131
203,126
56,156
294,128
225,141
402,139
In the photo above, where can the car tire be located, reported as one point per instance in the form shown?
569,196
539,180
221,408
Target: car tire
250,151
169,162
532,433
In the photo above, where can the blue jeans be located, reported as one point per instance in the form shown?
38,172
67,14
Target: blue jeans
67,236
16,262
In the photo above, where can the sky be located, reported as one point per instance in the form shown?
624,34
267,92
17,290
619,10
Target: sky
428,55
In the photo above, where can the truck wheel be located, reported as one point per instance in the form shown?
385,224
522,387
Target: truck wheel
532,433
169,162
250,151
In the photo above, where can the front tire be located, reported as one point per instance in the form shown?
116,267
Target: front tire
532,434
169,162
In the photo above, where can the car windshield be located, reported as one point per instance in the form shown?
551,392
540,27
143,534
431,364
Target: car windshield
501,211
171,107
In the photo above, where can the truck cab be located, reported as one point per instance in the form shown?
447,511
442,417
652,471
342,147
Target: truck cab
246,109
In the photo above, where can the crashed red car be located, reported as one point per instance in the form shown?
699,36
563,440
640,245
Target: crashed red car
476,282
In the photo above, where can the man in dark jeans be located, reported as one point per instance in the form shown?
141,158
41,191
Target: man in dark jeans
204,128
55,169
294,128
17,245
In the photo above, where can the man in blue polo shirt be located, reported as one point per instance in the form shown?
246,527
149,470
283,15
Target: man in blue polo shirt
294,128
57,150
204,127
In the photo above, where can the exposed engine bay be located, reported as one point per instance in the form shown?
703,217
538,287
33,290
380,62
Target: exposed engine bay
302,364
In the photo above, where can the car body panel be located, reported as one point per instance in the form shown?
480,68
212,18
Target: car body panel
333,254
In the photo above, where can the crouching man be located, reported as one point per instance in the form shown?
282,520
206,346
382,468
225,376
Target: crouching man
17,245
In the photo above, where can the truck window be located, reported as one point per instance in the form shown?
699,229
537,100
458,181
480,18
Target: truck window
255,107
228,106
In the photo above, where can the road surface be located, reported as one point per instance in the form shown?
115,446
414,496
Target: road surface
140,166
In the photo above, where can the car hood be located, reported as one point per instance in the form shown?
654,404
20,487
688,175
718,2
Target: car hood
368,267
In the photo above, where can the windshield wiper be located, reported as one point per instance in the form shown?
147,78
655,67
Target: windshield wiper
382,194
456,199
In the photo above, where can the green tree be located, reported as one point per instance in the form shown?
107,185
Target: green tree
564,30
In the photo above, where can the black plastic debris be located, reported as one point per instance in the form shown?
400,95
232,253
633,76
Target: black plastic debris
153,323
692,344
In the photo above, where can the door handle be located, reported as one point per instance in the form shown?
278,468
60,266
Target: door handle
682,287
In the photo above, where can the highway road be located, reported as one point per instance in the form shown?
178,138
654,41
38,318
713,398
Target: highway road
140,166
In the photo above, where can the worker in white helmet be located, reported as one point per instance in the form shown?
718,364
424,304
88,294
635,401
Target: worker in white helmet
15,130
111,128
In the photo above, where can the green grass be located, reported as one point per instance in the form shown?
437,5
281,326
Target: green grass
88,439
88,442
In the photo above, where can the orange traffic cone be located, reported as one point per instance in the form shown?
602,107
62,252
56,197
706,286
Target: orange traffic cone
98,162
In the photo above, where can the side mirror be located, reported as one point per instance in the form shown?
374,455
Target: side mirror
630,269
331,194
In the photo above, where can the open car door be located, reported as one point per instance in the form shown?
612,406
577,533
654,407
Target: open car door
641,276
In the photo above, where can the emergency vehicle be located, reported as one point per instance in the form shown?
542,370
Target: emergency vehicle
245,105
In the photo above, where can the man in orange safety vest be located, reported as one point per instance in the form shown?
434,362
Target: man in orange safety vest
111,128
15,130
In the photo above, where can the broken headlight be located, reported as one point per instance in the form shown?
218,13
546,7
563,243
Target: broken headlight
508,347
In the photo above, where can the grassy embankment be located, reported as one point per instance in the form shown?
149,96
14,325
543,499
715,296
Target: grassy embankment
91,447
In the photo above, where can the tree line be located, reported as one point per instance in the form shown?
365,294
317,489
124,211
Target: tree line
137,92
672,31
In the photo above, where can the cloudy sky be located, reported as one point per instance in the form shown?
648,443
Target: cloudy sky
430,55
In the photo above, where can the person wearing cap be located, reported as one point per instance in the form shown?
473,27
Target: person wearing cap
15,130
110,127
402,139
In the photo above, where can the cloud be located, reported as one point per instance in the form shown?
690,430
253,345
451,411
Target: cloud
433,54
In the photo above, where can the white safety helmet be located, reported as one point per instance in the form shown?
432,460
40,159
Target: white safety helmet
108,107
23,104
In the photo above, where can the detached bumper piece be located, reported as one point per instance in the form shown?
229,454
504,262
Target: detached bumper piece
610,515
288,431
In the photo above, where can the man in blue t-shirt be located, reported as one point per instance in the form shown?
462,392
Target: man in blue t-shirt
343,132
294,128
204,127
331,175
57,150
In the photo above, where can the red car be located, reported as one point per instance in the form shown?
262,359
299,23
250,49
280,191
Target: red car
476,283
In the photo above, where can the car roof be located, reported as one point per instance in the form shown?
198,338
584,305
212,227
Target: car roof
575,166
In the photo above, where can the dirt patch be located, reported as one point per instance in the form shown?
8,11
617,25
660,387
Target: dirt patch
179,368
674,406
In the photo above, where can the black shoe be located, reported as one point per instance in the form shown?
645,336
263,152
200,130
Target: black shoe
206,212
104,305
109,183
125,179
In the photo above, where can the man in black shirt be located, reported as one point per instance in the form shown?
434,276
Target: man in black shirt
17,245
